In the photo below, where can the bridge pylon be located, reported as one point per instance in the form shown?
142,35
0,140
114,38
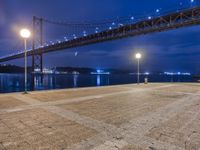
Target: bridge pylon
37,40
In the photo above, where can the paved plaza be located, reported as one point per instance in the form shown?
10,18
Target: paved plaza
159,116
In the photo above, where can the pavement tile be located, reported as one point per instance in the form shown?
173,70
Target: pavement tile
120,109
182,130
59,95
21,130
10,102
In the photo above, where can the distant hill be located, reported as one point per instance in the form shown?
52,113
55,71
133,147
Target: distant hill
11,69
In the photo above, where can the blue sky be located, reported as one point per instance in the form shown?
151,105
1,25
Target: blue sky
175,50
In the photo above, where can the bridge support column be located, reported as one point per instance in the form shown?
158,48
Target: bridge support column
37,59
37,63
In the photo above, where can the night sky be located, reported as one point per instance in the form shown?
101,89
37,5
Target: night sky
175,50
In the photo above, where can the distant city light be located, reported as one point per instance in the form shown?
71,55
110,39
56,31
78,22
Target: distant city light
178,73
132,18
99,71
149,17
157,10
74,36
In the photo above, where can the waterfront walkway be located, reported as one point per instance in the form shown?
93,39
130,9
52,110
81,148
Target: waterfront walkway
127,117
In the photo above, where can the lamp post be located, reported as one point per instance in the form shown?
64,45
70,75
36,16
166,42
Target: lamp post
138,57
25,34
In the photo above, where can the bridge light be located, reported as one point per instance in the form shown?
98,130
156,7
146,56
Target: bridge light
74,36
52,43
65,38
25,33
84,33
96,30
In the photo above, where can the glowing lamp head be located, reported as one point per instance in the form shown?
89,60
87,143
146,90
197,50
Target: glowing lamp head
138,56
25,33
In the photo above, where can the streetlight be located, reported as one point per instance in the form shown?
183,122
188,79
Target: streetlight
25,34
138,57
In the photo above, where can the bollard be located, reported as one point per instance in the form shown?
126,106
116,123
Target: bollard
146,80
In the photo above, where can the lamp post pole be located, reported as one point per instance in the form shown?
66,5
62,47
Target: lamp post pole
138,57
25,34
138,72
25,66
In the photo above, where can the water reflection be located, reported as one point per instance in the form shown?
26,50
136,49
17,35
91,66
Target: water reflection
15,82
75,79
98,80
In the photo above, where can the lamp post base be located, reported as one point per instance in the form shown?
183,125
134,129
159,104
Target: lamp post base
25,92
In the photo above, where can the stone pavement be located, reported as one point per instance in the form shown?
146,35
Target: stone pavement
160,116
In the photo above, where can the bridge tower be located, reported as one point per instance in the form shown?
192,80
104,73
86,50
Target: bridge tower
37,40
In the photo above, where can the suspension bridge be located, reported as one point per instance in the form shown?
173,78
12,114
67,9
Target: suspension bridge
140,26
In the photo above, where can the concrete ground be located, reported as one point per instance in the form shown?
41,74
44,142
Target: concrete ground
126,117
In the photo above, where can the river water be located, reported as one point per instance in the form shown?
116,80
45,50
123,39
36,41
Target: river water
15,82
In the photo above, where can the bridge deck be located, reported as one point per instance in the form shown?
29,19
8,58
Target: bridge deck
126,117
